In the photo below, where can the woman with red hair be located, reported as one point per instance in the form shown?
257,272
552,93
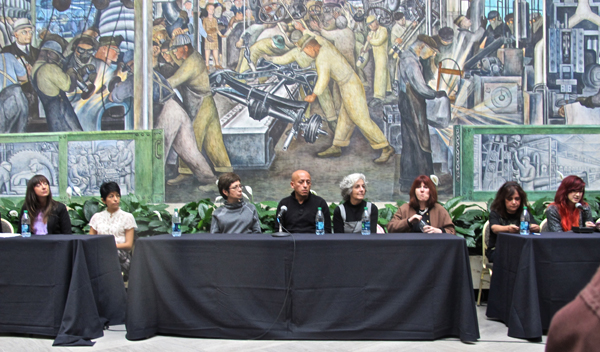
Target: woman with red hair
422,213
569,209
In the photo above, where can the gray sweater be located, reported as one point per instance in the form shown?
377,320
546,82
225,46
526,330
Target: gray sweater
235,218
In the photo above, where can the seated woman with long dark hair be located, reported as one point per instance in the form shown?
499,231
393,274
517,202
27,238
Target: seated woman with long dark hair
569,209
47,216
505,214
423,206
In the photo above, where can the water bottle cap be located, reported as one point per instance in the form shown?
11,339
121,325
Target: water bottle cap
525,208
25,211
175,209
319,208
366,208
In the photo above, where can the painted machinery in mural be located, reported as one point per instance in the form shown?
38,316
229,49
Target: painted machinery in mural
536,162
267,102
573,49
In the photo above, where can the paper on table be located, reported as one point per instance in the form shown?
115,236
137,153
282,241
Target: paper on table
6,235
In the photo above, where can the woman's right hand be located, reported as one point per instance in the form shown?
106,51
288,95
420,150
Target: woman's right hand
415,218
513,229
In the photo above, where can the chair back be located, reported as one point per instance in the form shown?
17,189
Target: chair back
544,226
485,240
7,226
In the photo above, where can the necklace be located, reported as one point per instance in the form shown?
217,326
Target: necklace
421,212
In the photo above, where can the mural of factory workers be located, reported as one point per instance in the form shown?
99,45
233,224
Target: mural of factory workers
21,161
92,163
264,88
537,162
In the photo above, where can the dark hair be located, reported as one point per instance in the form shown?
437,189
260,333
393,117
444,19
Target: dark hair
507,190
32,203
107,188
568,218
413,202
225,181
398,16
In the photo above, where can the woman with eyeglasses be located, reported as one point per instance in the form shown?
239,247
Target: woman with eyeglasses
505,214
235,216
47,216
569,209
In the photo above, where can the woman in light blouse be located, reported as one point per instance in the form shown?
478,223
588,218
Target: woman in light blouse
116,222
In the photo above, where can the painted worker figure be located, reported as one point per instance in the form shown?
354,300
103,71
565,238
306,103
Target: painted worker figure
171,117
274,46
496,28
331,64
51,84
191,79
304,61
465,39
26,55
15,107
21,47
378,38
413,92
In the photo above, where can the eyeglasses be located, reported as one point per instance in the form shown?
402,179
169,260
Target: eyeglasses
237,187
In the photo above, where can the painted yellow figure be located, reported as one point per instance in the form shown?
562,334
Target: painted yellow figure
192,81
378,38
265,47
303,60
354,112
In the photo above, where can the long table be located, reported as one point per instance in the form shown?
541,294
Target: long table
534,276
67,286
336,286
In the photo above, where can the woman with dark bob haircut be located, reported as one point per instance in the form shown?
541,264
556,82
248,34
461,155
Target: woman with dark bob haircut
47,216
117,222
422,207
505,214
563,214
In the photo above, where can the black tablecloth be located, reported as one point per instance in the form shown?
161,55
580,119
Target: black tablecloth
66,286
534,276
344,286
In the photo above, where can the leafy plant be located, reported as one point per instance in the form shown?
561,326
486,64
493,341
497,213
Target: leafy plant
10,211
81,214
196,216
538,209
387,213
468,220
266,215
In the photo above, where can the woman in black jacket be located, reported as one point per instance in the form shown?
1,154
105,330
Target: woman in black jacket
47,216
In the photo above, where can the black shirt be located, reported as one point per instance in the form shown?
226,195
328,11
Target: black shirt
512,219
354,213
300,218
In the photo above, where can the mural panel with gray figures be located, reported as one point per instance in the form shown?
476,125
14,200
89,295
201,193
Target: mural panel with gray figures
94,162
535,161
21,161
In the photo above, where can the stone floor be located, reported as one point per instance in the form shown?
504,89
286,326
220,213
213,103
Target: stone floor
493,338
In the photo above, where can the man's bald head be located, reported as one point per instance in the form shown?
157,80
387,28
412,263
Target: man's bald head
301,183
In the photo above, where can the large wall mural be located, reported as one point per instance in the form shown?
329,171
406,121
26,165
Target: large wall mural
264,87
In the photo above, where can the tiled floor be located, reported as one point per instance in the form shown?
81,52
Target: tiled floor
493,338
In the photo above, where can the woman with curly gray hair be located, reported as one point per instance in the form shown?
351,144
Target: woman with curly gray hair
347,218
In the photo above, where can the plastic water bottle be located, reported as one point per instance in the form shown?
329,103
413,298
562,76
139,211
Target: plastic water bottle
525,222
366,223
320,222
176,228
25,225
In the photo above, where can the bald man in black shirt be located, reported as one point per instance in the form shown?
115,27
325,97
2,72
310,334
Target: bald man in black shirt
302,206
